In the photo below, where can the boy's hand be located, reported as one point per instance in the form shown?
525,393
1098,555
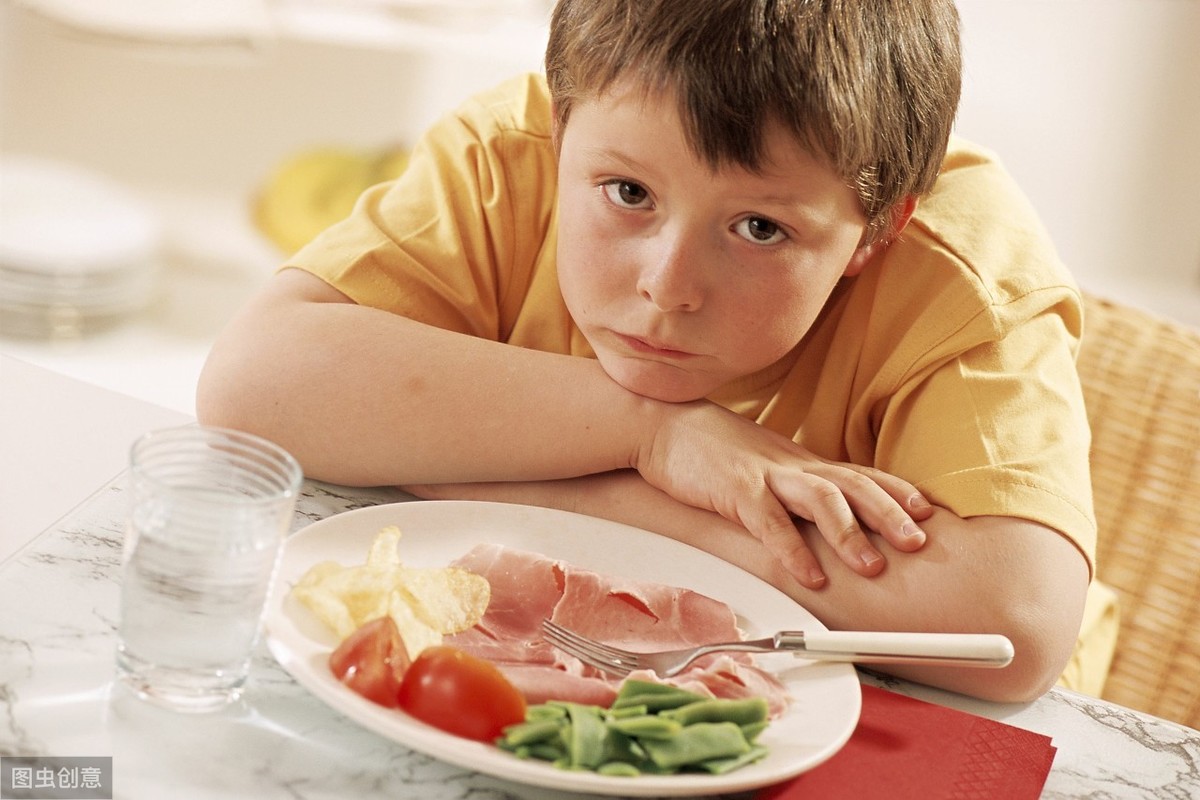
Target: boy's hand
709,457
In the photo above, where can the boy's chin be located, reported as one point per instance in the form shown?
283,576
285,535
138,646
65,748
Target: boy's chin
661,383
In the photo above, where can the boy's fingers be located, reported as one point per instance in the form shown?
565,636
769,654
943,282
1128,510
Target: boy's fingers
918,506
906,495
885,505
825,504
773,527
909,497
891,522
838,525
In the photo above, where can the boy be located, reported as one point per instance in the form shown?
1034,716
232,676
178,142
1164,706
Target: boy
687,285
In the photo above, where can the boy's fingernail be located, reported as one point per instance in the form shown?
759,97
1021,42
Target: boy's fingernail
870,558
910,531
918,502
816,578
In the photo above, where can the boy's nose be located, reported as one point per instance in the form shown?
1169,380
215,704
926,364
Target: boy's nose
671,279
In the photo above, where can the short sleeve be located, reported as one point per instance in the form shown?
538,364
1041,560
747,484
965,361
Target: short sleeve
454,240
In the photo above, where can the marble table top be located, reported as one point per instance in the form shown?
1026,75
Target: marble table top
59,596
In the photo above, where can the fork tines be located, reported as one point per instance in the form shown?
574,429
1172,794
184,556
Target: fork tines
590,652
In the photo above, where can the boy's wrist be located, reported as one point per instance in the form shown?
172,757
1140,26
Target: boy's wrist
648,417
657,422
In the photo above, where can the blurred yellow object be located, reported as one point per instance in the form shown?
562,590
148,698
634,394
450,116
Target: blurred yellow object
312,190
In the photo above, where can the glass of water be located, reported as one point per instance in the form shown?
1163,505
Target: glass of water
209,510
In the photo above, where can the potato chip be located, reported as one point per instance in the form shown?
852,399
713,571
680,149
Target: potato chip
384,550
424,602
318,573
449,600
328,607
364,590
414,632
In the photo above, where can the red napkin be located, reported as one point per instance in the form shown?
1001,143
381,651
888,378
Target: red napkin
905,749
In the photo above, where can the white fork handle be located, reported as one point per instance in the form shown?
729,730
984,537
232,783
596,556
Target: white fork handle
967,649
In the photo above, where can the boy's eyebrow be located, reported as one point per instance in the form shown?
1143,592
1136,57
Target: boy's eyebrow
598,153
795,201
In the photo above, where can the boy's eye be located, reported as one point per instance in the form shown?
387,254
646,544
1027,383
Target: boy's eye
626,193
759,230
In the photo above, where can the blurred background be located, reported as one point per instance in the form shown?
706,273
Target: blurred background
185,120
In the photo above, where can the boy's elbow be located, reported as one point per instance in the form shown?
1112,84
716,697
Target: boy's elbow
216,407
254,362
1042,645
212,399
1043,640
1041,616
1031,587
226,397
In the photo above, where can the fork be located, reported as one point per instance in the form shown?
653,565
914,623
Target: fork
868,647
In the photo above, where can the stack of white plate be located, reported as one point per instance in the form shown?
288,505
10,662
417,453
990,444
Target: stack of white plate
77,250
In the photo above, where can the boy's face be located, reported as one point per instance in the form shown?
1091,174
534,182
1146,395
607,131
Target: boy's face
681,278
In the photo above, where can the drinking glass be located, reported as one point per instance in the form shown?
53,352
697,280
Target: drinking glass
209,510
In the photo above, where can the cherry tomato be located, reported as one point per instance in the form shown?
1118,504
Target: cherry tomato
460,694
371,661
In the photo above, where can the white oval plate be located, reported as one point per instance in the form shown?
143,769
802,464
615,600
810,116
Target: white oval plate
826,696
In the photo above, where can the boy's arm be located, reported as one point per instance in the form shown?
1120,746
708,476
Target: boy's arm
979,575
366,397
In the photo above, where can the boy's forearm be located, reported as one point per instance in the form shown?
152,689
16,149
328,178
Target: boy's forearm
349,391
979,575
984,575
363,396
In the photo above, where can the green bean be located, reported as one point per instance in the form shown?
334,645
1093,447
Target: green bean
650,729
628,711
747,711
719,766
619,747
649,726
697,743
655,696
538,730
546,751
620,769
539,751
752,730
545,711
585,742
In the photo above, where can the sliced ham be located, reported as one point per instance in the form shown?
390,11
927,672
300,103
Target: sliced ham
729,676
637,615
540,683
525,587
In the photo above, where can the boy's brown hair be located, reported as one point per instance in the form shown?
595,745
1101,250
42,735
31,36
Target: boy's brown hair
870,85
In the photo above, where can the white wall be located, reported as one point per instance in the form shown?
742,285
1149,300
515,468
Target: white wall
1095,107
218,119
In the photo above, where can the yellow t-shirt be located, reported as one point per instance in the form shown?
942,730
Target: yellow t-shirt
948,361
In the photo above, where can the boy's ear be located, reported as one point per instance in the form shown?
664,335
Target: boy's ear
899,214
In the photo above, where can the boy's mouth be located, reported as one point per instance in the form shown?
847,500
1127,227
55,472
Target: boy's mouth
646,347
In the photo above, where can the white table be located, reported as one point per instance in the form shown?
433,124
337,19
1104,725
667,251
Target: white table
59,597
60,438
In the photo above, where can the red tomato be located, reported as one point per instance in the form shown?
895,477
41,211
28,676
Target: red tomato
371,660
460,694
